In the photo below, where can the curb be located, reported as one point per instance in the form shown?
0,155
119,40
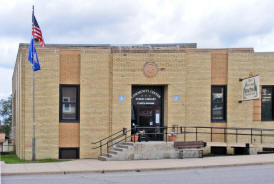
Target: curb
134,170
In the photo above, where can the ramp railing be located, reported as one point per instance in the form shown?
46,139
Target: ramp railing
189,133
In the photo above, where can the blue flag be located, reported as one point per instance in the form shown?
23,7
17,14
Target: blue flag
33,60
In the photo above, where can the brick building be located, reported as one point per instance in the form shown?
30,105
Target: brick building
87,92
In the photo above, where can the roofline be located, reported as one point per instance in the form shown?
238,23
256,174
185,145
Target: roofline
264,52
116,45
192,46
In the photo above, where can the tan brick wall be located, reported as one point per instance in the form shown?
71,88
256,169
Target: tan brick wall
69,67
219,64
238,114
69,135
47,102
28,110
240,65
219,69
105,76
174,70
198,90
16,92
128,71
94,101
46,105
263,66
257,108
20,123
218,135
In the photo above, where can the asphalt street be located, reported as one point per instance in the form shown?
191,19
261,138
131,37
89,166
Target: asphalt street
227,175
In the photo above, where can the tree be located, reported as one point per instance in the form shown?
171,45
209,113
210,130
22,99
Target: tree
6,115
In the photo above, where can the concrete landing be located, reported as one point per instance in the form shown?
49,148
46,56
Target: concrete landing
152,150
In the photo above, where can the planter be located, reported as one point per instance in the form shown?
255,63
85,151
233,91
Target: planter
134,138
171,138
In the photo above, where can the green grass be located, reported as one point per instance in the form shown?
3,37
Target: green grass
13,159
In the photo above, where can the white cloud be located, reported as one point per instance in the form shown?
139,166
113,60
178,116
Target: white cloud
8,50
210,23
5,82
261,43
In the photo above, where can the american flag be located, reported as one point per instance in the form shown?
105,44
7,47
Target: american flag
36,31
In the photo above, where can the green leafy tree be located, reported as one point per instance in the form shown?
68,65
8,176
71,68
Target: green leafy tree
6,115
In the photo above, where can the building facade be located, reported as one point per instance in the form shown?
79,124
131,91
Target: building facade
87,92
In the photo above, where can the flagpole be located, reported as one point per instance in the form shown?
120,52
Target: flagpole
33,98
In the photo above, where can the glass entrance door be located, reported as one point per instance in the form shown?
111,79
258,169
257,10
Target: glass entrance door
148,117
147,111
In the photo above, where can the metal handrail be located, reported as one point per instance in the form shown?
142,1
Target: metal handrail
111,140
107,137
112,144
108,141
176,130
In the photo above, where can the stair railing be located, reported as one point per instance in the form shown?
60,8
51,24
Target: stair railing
124,134
104,141
110,141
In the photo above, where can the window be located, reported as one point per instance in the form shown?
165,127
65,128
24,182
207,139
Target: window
69,103
267,103
218,103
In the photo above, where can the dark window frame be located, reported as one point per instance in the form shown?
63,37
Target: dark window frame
77,120
224,104
272,96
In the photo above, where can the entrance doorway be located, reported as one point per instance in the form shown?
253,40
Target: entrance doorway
147,111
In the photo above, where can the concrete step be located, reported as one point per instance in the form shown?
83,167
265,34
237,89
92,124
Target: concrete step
102,158
108,155
117,149
127,143
113,152
121,146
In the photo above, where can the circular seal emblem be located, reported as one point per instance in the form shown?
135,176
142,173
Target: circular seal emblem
150,69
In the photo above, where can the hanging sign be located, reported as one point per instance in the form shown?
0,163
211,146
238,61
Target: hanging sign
251,88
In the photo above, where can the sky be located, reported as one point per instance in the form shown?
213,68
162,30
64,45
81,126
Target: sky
209,23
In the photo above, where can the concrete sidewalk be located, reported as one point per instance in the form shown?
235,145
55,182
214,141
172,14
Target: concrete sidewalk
96,166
